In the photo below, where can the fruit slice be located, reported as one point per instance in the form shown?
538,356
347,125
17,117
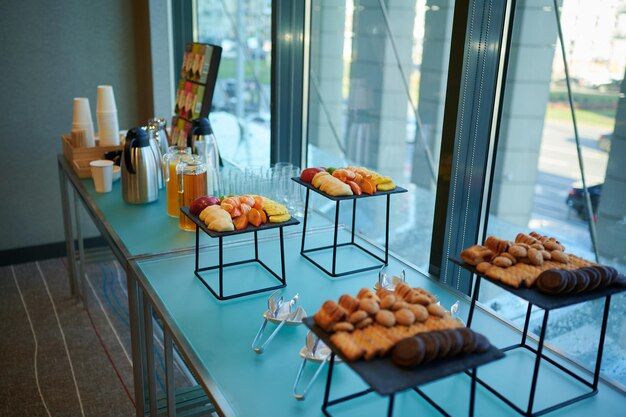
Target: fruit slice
355,187
235,213
240,222
280,218
245,208
263,216
386,186
258,202
247,199
254,217
368,186
227,206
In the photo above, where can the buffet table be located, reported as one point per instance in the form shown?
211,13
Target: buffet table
215,337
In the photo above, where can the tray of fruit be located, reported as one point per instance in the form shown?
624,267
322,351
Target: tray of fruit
237,214
347,183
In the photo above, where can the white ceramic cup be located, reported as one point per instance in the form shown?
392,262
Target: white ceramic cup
106,99
102,174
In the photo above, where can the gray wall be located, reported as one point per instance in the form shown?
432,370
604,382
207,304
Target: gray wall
52,52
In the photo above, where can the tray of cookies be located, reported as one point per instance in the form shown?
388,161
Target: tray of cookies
400,339
538,269
347,183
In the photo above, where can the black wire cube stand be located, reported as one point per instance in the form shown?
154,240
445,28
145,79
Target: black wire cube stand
547,303
386,379
221,266
338,199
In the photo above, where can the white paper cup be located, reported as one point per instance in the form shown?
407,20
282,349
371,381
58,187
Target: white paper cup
102,174
82,112
106,99
108,129
90,141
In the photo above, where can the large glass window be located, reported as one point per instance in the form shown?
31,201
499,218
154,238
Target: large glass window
377,83
538,179
240,113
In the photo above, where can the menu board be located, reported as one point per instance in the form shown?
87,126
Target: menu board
194,92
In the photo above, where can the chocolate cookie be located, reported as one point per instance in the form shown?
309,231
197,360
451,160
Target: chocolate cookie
583,278
620,281
571,282
468,339
597,278
457,345
431,345
408,352
481,343
444,344
552,281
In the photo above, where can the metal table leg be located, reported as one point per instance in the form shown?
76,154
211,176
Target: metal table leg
149,341
169,374
134,313
81,254
69,236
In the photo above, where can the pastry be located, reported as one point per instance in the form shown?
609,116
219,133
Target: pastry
348,302
524,238
366,293
387,302
347,345
385,318
403,291
420,291
497,245
476,254
483,267
329,314
508,256
405,317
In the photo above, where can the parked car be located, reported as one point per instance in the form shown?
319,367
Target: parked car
576,199
604,142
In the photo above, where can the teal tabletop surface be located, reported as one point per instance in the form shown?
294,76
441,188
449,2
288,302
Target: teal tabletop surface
220,334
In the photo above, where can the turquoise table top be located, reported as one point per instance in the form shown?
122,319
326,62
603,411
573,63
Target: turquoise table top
145,229
217,336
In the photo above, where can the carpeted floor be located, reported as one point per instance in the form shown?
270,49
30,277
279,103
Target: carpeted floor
58,359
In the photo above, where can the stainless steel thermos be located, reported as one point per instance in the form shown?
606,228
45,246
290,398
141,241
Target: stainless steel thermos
140,169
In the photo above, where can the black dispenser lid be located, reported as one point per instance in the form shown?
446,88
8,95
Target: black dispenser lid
201,127
140,136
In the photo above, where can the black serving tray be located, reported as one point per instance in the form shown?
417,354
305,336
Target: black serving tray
310,186
542,300
291,222
386,378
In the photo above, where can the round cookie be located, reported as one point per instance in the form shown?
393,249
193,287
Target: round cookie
571,282
387,302
369,305
468,339
552,281
399,305
420,312
343,326
405,317
431,346
364,323
385,318
444,344
457,345
436,310
582,280
408,352
481,343
357,316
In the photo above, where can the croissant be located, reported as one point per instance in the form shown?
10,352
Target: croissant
222,225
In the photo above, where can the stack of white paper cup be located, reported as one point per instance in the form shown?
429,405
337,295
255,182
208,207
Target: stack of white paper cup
82,120
106,112
102,174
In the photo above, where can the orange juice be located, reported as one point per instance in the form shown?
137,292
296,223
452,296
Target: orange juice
173,209
170,160
194,186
